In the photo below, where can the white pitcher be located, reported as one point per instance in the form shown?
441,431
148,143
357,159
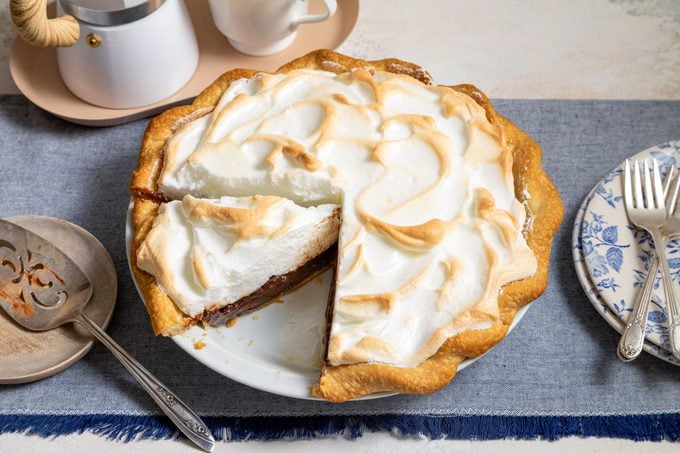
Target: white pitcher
115,53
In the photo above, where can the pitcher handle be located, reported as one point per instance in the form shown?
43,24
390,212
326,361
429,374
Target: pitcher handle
331,6
30,18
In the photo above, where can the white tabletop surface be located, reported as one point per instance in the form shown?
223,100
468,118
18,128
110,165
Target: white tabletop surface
521,49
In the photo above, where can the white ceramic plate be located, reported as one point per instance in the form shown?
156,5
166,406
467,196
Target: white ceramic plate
277,349
611,292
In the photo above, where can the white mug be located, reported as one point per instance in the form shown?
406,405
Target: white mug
264,27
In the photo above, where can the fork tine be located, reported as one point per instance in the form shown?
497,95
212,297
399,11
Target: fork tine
674,197
658,187
649,197
627,188
669,182
639,201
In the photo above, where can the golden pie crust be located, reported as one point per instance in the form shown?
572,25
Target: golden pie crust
533,187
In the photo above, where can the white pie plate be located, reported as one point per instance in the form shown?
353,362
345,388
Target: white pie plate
277,349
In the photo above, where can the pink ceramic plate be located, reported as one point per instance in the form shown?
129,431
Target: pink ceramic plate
35,72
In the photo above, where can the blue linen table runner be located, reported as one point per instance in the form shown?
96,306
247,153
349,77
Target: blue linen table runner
555,375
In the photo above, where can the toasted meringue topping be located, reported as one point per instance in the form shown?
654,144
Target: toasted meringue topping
207,253
431,228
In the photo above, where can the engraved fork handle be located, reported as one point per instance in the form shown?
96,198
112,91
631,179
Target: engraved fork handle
633,338
185,419
669,290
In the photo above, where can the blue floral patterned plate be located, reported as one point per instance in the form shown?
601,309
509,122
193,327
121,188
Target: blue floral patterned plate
612,257
592,292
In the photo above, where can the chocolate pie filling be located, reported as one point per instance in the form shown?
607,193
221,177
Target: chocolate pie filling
275,286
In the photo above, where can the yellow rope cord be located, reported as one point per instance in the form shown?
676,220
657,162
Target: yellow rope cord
30,17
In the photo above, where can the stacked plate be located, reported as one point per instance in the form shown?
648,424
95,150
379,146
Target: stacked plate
612,257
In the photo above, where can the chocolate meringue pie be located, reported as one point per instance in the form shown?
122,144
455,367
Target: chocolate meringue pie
442,214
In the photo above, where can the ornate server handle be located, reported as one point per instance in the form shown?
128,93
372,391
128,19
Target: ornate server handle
633,338
185,419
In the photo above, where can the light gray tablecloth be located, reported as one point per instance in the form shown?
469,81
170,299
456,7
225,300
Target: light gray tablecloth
560,360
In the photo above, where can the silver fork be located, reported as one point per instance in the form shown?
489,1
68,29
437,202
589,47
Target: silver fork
633,337
673,306
648,211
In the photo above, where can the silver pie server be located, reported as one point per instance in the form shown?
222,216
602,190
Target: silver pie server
41,288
